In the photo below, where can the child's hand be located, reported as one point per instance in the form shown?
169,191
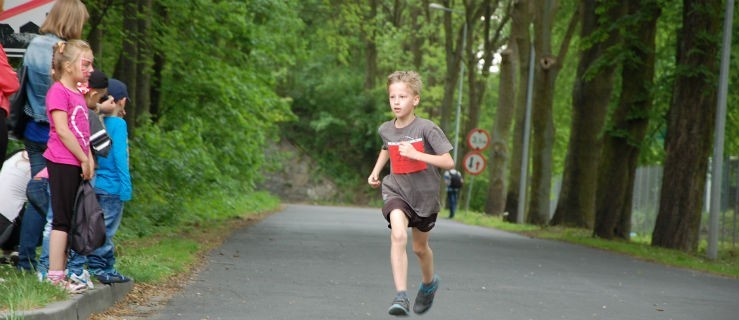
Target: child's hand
373,181
86,171
407,150
107,107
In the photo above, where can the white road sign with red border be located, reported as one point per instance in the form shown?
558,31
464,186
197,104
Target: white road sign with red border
474,163
478,139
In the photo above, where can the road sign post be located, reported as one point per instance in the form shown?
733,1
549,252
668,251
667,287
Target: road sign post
474,162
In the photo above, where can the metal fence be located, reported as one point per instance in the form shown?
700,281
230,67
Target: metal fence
645,205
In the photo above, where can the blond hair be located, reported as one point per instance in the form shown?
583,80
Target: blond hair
66,19
66,52
411,78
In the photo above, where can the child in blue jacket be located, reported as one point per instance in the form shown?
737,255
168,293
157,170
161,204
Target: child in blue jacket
112,186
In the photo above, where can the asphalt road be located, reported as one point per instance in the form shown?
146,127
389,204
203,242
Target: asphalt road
311,262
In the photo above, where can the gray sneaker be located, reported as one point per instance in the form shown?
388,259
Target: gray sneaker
425,297
400,306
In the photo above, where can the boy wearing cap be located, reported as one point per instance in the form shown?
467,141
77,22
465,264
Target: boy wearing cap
112,185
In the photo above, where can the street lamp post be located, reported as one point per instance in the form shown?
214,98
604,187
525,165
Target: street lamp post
437,6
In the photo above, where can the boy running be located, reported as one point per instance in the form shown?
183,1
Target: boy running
416,148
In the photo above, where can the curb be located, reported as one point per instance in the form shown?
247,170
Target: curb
79,306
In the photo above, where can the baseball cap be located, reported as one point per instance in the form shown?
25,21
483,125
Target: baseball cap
98,80
117,89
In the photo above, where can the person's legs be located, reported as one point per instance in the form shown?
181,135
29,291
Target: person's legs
31,229
102,261
425,256
452,195
34,217
399,261
398,255
43,261
63,183
6,229
429,281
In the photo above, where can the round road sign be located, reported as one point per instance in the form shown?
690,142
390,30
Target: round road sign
478,139
474,163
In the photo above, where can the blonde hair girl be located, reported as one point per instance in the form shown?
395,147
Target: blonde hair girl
68,156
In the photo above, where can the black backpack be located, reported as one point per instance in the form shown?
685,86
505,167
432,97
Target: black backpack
455,180
87,231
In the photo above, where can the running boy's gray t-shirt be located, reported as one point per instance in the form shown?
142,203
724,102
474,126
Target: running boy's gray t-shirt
414,181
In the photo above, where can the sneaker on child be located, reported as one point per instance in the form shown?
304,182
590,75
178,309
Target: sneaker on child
400,305
69,286
41,275
111,277
83,279
425,297
73,287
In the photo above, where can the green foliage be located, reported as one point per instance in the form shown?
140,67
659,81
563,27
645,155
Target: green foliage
219,104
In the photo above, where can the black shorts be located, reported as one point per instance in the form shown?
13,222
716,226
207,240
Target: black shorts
424,224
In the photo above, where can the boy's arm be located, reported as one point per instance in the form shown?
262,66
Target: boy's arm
443,161
374,178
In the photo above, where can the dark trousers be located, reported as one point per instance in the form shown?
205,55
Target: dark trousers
34,219
451,198
64,180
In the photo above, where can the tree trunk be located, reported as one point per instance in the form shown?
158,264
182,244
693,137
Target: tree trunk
690,126
157,68
417,41
126,67
591,93
451,75
622,142
94,37
545,78
545,75
143,62
478,80
499,154
522,39
370,55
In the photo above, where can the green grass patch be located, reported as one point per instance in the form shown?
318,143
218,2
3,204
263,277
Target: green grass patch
22,291
727,264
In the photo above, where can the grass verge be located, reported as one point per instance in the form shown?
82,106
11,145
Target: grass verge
151,259
727,264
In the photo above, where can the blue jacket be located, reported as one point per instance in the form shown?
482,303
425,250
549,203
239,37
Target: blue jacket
38,60
112,175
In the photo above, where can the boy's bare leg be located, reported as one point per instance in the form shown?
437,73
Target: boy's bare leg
425,255
398,255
